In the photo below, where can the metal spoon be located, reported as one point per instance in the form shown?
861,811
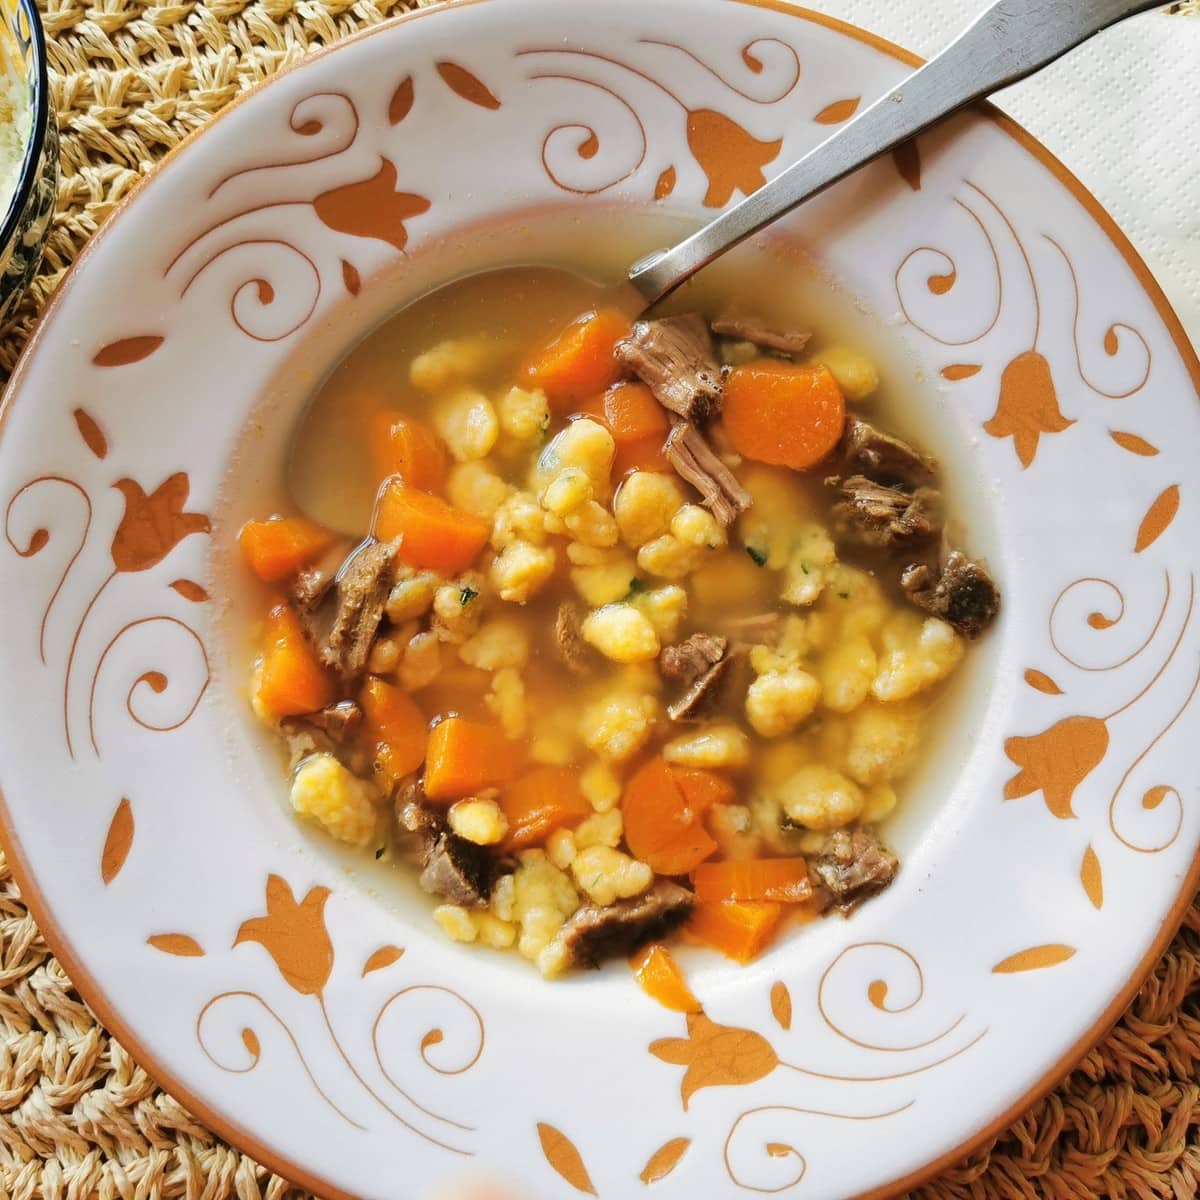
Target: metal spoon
1009,41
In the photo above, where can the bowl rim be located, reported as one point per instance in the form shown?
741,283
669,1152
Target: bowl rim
59,941
37,130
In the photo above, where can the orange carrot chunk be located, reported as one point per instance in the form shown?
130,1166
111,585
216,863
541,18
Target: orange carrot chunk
739,929
395,726
632,413
780,879
435,535
580,361
660,978
643,454
407,448
276,549
776,412
291,680
464,757
538,803
662,826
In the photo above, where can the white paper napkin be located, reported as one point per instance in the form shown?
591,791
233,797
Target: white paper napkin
1122,112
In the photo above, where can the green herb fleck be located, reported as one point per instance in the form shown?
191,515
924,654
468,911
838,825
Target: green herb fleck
804,567
759,556
466,594
843,595
636,588
380,852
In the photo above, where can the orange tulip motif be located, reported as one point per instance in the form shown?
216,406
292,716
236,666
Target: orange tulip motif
1028,406
1056,761
294,935
154,524
732,158
371,208
716,1055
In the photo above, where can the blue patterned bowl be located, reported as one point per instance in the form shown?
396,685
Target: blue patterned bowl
26,222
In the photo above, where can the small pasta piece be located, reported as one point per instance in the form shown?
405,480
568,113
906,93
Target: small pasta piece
621,633
668,557
519,518
593,525
644,505
818,797
561,848
607,875
664,608
567,491
852,371
918,654
524,416
847,672
341,803
502,642
476,489
585,444
607,584
457,609
715,746
697,527
411,596
453,362
479,821
881,801
522,569
455,922
619,725
601,785
468,425
422,662
882,744
602,829
506,699
778,701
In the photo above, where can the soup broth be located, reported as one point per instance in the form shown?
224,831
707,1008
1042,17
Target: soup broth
650,622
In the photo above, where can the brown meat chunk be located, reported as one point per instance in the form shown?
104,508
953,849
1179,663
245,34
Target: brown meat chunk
854,866
705,693
594,933
576,654
452,867
870,514
885,459
313,582
330,730
963,594
460,871
691,659
362,589
695,461
673,357
745,328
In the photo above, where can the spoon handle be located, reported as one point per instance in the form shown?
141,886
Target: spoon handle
1010,40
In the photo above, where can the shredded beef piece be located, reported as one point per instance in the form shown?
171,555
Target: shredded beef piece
703,663
673,357
749,329
330,730
594,933
761,629
691,659
575,653
883,458
460,871
695,461
873,515
313,582
452,867
963,594
363,585
854,866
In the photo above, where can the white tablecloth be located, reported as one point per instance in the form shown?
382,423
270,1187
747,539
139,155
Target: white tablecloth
1122,112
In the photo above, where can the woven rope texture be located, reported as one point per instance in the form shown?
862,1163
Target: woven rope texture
79,1120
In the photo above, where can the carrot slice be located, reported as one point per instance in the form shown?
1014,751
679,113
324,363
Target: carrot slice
644,454
659,977
776,412
580,361
740,930
407,448
277,548
536,804
702,789
632,413
662,824
291,680
434,534
782,879
396,727
464,757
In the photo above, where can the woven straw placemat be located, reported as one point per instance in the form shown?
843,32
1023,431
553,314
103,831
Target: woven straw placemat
79,1120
